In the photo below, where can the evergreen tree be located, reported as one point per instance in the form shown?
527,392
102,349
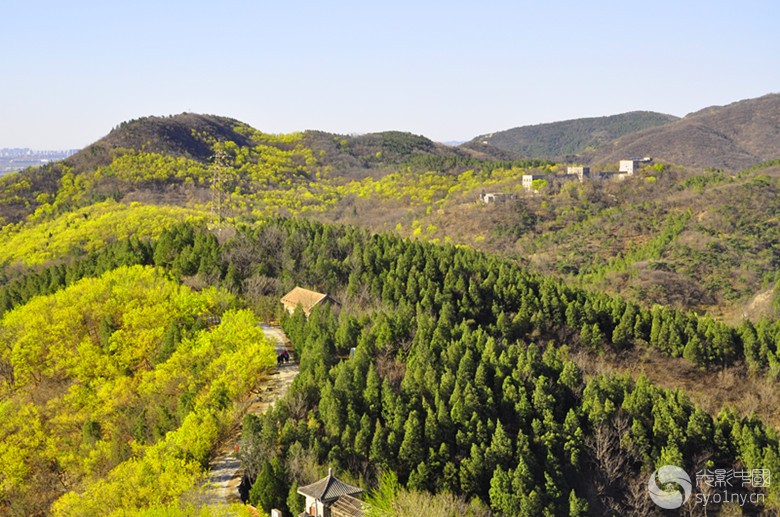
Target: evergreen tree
269,490
500,452
577,507
413,448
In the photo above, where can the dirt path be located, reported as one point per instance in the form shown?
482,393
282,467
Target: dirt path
225,471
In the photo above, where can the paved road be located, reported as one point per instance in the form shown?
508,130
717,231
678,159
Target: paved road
225,471
277,335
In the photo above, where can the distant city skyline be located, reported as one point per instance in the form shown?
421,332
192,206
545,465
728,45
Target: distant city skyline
447,70
24,151
16,159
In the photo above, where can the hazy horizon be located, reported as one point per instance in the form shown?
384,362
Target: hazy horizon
449,71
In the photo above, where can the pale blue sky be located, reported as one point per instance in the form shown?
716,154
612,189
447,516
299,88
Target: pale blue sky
449,70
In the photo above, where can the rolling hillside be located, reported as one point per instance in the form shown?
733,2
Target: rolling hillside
524,357
171,159
192,136
595,233
570,138
731,137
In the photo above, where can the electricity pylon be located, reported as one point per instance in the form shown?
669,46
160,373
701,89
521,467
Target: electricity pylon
217,179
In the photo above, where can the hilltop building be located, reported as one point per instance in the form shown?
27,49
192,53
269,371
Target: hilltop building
308,300
331,497
627,168
632,165
496,197
528,179
580,172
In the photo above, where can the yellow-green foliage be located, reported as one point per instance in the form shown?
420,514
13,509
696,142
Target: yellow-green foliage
274,161
277,173
87,229
89,407
178,510
427,187
11,186
297,199
231,357
269,138
138,167
410,187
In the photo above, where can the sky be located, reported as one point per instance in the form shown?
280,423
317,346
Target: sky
447,70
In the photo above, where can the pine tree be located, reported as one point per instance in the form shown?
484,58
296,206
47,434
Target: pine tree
413,448
295,501
379,454
578,507
269,490
500,452
693,352
503,499
364,436
472,471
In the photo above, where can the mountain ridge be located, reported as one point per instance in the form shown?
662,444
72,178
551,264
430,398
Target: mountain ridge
569,138
192,135
735,136
175,135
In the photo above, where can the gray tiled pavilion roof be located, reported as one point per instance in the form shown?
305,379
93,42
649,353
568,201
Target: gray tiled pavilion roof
329,489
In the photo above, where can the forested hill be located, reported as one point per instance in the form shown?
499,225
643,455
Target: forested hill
463,390
692,238
187,135
524,357
732,137
739,135
571,138
171,159
193,136
462,384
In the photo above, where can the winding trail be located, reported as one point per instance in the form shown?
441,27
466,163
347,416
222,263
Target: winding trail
225,471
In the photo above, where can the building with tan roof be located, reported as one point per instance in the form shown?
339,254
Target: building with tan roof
306,299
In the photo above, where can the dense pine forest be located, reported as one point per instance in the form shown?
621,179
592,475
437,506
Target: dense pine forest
460,383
